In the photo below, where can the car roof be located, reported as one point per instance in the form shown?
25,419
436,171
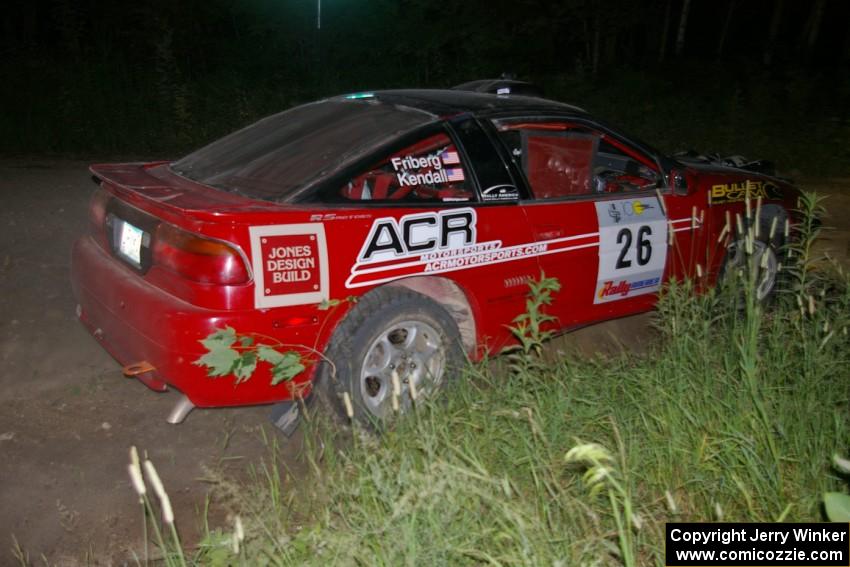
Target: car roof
444,103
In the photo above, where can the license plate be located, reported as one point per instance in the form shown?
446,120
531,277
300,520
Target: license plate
130,242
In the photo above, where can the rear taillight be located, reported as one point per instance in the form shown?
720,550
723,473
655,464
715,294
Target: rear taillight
97,215
197,258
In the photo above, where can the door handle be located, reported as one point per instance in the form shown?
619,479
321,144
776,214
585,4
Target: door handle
548,232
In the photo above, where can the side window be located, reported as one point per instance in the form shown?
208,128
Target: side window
430,170
560,159
615,170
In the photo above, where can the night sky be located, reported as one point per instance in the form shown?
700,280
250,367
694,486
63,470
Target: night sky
159,77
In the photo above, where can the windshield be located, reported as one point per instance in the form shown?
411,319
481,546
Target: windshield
273,158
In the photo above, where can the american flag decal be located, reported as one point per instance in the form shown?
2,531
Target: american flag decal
455,174
449,157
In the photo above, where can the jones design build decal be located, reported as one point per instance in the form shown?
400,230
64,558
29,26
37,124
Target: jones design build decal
447,241
290,264
632,248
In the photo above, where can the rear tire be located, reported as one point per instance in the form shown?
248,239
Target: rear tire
390,329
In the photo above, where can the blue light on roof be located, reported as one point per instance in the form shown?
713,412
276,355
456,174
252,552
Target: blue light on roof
357,96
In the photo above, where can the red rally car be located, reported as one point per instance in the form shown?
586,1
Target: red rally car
420,216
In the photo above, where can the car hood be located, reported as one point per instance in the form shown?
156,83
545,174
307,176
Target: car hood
733,164
733,174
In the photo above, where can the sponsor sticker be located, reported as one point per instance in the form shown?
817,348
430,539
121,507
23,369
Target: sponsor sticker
632,248
290,264
409,169
441,241
500,193
736,192
449,157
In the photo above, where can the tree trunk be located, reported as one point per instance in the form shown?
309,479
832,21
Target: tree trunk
597,39
597,35
847,47
812,29
662,48
588,43
773,32
724,33
683,24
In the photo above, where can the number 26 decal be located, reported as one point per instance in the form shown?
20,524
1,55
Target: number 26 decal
632,248
643,247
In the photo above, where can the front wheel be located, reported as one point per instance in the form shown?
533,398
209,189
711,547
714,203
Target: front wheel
391,331
763,258
764,261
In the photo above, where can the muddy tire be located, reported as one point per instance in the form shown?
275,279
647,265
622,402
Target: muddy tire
765,254
390,329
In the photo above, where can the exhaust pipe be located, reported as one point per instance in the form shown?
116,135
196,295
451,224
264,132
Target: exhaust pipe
140,370
180,411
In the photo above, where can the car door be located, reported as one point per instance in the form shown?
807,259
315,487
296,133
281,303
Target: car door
595,206
440,206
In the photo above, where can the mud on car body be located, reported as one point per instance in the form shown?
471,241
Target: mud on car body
429,210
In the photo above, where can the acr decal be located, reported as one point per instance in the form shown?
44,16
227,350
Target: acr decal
438,242
736,192
632,248
418,233
290,264
446,241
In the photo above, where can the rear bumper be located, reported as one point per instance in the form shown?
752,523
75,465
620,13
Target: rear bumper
135,321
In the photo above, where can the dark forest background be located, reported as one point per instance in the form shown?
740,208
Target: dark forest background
105,79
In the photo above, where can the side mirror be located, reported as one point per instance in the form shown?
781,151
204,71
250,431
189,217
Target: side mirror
678,182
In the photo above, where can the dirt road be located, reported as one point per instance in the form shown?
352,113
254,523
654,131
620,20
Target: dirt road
68,417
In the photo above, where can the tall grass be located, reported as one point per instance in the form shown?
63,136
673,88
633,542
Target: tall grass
733,415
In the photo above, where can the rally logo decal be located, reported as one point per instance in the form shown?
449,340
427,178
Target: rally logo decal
290,263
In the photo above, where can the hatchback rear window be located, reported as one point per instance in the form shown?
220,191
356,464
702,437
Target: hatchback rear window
275,157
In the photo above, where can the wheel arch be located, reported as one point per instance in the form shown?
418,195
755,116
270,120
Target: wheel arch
768,212
452,298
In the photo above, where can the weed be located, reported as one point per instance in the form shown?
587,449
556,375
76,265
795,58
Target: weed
530,327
